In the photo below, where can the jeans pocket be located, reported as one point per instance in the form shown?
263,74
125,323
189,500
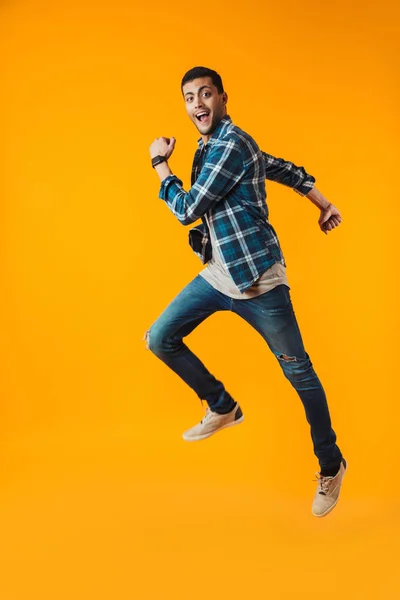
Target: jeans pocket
279,301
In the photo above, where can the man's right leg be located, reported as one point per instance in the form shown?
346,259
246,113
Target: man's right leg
197,301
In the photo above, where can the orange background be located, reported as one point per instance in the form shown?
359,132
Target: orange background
100,496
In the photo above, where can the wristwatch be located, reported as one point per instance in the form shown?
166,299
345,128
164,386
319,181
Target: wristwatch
157,160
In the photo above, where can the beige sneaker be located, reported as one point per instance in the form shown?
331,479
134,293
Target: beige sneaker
213,422
328,490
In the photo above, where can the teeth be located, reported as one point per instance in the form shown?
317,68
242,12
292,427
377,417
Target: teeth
200,114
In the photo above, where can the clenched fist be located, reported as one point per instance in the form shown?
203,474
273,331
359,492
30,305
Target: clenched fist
162,146
329,219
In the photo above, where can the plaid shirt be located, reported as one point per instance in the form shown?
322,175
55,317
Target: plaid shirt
228,186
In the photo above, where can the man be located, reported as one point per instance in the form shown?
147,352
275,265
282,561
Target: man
245,269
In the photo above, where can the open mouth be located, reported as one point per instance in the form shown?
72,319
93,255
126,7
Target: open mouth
203,117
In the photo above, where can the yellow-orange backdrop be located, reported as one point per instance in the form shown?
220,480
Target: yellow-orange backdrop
100,496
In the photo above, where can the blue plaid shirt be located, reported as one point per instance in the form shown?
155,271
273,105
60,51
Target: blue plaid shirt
228,186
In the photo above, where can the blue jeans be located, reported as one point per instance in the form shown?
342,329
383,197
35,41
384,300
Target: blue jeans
272,315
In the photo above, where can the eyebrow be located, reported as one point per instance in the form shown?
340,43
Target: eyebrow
202,87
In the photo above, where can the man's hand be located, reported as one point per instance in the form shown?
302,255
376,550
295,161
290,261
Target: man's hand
163,146
329,218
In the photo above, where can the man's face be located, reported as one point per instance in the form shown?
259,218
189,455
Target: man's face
201,96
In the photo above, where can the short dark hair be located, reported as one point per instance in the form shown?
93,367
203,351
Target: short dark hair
203,72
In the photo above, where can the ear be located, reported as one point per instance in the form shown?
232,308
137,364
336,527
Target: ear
225,98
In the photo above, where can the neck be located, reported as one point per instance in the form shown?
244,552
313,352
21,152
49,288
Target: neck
208,135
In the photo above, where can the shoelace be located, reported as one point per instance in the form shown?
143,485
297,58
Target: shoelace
207,416
323,483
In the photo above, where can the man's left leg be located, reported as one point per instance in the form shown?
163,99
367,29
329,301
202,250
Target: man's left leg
272,315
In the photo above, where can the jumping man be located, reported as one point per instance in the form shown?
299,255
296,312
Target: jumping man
245,270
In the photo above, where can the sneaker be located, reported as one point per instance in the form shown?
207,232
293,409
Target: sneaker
328,490
213,422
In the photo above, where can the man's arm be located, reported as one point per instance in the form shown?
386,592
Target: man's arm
219,174
318,199
287,173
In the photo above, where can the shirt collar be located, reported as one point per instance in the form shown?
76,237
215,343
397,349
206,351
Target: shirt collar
217,133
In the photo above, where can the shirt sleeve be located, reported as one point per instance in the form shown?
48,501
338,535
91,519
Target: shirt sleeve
221,171
287,173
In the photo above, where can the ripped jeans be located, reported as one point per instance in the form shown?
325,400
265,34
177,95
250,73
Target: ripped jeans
272,315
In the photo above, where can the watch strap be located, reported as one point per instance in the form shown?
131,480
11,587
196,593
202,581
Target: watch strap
157,160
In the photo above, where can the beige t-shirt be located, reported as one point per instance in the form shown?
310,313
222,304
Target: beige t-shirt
217,275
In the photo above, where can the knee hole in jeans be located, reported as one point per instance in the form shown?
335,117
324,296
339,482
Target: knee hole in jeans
287,358
146,338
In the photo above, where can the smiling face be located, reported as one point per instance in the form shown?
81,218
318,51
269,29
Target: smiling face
204,104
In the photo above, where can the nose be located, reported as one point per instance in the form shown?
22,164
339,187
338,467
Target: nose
198,104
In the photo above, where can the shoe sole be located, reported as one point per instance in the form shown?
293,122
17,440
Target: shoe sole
337,500
206,435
